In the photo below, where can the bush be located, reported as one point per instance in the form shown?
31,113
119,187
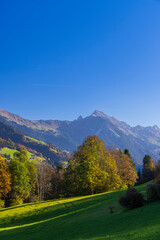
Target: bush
1,203
153,192
132,199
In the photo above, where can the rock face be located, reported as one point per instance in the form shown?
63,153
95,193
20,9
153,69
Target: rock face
67,135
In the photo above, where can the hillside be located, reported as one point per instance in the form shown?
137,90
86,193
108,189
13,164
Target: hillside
11,138
8,153
81,218
67,135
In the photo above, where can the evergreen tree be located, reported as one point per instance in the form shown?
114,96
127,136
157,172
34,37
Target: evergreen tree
126,151
139,180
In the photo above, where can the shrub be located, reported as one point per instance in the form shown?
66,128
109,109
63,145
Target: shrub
153,192
1,203
132,199
111,209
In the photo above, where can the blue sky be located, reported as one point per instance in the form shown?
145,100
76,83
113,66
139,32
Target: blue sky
62,59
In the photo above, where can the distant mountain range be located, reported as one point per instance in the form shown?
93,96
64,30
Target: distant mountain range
67,135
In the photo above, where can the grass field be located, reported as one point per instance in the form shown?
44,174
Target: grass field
12,151
8,151
35,140
81,218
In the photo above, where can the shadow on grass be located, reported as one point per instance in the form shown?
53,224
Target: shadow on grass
59,208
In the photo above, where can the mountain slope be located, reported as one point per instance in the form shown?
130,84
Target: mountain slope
67,135
13,139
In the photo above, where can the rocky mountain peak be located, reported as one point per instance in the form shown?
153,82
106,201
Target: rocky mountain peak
98,113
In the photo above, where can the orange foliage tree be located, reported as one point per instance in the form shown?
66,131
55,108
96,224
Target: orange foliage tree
5,180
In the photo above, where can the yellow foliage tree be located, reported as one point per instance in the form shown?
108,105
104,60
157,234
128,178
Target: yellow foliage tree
92,169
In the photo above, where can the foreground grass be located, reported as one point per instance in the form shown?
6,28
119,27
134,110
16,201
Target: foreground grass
81,218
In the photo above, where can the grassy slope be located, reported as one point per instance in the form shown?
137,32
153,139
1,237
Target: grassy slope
8,151
12,151
35,140
80,218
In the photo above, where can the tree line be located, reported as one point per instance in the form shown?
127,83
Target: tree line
91,169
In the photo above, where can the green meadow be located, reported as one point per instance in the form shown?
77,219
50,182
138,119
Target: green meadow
7,151
34,140
11,152
81,218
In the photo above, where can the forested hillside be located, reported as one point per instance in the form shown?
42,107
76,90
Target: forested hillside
13,139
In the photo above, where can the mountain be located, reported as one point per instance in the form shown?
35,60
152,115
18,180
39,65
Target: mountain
13,139
67,135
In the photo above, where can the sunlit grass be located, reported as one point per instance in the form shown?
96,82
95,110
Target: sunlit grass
35,140
8,151
81,218
11,152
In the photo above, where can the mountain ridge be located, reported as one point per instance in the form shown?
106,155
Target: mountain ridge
67,135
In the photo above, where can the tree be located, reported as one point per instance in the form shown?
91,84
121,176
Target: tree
157,172
126,151
46,176
20,178
21,156
58,180
148,169
126,168
5,180
92,169
32,174
139,181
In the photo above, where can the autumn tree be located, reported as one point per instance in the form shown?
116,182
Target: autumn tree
46,177
92,169
157,172
126,168
5,181
148,169
126,151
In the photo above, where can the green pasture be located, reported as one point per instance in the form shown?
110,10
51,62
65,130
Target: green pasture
81,218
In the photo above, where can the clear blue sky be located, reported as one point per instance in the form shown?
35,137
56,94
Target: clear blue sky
62,59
